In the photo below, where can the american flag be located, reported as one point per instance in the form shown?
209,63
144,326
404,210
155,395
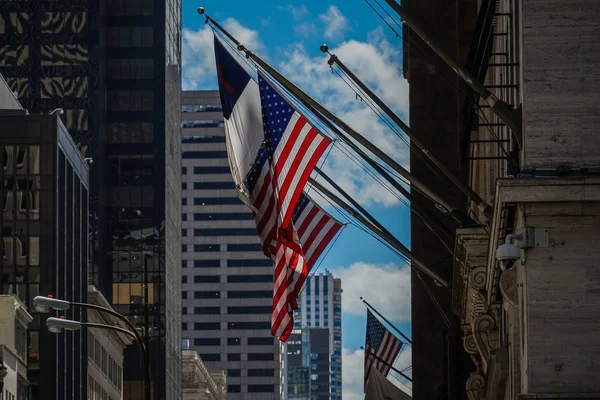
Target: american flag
316,229
291,149
382,344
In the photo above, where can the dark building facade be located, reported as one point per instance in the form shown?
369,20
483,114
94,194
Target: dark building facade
44,191
114,66
309,365
439,365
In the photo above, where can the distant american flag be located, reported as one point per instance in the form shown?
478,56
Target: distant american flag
381,343
291,150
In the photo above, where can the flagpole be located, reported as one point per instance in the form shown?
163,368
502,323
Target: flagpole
481,204
386,236
510,116
385,319
386,364
362,210
455,212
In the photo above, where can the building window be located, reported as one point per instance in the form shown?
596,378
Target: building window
207,263
210,357
207,326
207,279
234,357
234,372
184,247
183,170
184,217
204,154
183,185
183,310
261,356
203,248
207,342
253,341
183,295
234,388
184,326
199,294
261,372
183,263
234,341
248,325
261,388
184,201
207,310
203,123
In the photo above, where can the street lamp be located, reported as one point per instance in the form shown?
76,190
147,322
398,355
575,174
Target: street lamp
56,325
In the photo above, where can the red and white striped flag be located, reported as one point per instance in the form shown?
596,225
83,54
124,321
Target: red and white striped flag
315,230
381,347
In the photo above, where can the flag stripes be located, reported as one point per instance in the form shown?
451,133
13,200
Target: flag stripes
383,344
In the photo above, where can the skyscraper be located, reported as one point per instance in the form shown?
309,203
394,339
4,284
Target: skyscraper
309,366
227,285
142,182
44,242
114,67
320,306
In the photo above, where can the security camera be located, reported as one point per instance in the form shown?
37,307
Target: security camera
89,160
508,253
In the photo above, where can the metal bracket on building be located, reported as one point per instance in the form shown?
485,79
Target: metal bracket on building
533,237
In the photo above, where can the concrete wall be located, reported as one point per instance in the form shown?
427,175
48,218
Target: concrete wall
561,302
561,82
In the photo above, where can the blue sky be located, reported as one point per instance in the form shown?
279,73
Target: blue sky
288,35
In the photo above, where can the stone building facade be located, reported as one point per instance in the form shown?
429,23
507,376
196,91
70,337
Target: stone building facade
105,352
198,382
14,320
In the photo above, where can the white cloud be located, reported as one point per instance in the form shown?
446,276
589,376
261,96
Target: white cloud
198,53
386,287
377,63
353,373
297,12
335,22
305,29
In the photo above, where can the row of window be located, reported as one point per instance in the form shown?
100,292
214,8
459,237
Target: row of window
210,201
230,310
203,123
237,357
251,388
201,107
234,373
230,278
216,326
203,139
243,216
96,391
230,263
104,361
204,248
204,154
208,170
224,232
234,294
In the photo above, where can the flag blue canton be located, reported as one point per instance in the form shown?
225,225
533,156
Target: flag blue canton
300,206
276,114
375,332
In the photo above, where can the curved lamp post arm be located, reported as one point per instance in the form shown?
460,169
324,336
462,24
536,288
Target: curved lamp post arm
113,328
114,314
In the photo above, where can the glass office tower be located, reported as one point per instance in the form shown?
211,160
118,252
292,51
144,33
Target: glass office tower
44,243
114,66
